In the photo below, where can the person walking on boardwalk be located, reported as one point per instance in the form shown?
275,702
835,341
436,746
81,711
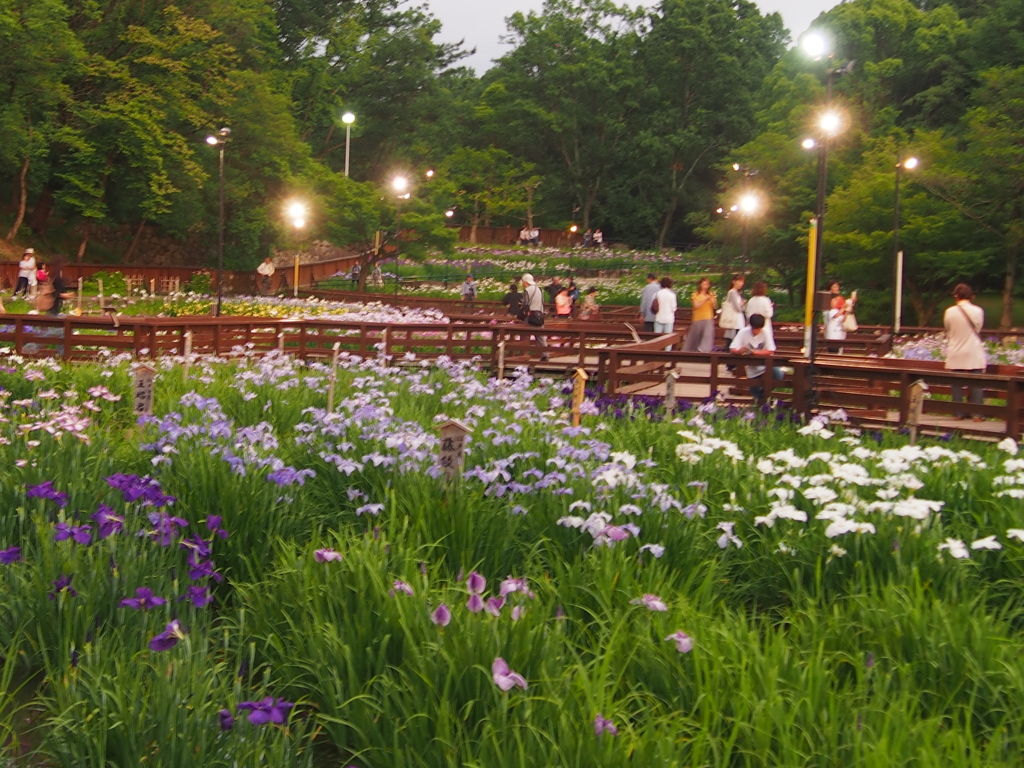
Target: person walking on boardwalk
760,304
646,300
965,352
513,300
533,310
701,335
26,273
665,306
732,319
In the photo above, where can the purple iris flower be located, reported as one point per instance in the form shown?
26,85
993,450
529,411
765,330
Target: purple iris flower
476,583
401,586
327,556
442,615
199,568
510,585
47,491
266,711
475,604
200,547
63,584
167,639
144,599
9,556
165,527
199,596
290,476
684,643
213,523
134,488
107,523
81,533
604,725
227,720
494,605
517,612
505,678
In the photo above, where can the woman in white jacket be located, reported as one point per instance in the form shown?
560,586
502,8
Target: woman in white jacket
665,317
760,304
732,320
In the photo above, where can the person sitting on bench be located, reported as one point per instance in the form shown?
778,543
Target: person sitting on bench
754,340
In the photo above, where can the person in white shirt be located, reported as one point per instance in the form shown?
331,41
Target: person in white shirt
598,238
965,351
468,289
665,316
755,340
834,330
524,236
760,304
26,273
266,272
535,236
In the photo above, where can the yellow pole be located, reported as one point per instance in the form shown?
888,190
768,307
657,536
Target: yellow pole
812,280
295,286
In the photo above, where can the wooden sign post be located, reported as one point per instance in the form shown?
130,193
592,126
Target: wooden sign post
334,377
280,342
143,390
78,308
99,283
670,392
384,343
452,449
917,393
578,393
501,360
152,287
188,352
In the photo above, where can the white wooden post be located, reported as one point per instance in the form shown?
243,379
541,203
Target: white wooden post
334,377
670,392
578,393
917,394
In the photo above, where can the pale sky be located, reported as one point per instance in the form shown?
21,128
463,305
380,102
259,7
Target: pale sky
481,22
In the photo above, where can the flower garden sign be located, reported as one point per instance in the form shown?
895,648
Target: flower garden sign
142,400
452,448
917,394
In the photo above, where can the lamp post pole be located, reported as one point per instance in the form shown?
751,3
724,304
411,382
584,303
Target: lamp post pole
348,118
220,141
897,261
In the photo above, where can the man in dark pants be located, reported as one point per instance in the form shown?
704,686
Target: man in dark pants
646,299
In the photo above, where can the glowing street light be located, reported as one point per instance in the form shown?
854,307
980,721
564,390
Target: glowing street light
220,140
750,204
296,212
814,44
910,164
808,143
400,184
348,118
430,174
449,213
830,123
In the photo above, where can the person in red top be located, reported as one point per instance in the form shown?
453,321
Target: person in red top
563,304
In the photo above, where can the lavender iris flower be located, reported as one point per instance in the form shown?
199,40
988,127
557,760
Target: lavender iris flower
144,599
517,612
47,491
650,602
505,678
266,711
165,527
400,586
107,523
684,643
475,604
227,720
63,584
476,583
169,638
442,615
604,725
9,556
199,568
327,556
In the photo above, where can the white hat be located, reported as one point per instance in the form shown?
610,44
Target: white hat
30,250
528,279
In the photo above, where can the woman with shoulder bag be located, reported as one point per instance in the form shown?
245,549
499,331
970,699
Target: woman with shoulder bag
732,320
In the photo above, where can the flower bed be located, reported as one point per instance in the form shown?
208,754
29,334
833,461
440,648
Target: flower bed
246,579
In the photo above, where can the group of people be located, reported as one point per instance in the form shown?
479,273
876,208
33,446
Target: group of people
562,299
593,239
41,284
529,236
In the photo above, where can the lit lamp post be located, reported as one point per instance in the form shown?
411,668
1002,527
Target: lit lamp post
830,124
910,164
297,214
348,118
749,205
400,184
220,141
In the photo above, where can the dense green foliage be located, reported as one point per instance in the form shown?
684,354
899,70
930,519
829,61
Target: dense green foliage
608,117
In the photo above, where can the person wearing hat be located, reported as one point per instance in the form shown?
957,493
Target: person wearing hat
533,310
26,273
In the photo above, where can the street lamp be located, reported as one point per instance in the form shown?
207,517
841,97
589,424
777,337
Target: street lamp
399,184
814,44
220,140
297,212
749,205
348,118
910,164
